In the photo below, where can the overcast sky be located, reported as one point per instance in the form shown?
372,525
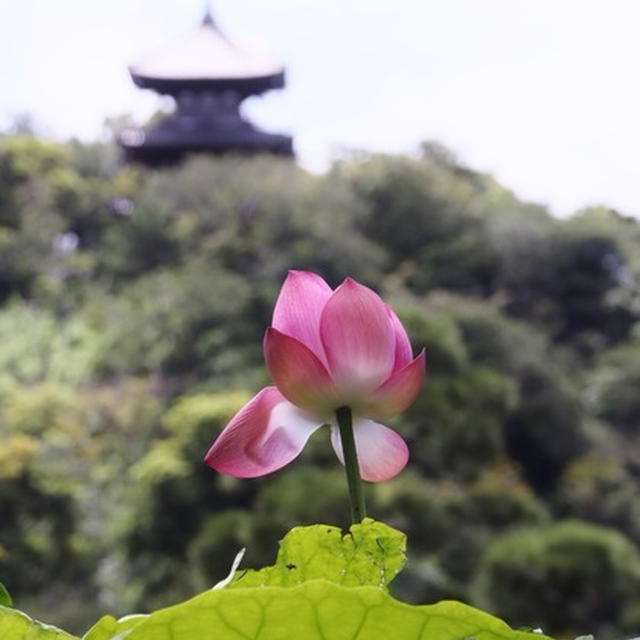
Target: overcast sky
545,94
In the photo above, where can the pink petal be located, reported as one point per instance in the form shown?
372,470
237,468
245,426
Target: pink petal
299,306
398,392
382,453
358,338
404,354
298,373
267,433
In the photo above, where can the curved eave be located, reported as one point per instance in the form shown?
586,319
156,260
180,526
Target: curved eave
243,85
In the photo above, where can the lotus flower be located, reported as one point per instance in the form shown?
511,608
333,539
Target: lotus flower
325,350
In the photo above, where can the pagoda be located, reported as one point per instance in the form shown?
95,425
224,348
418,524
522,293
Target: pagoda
208,76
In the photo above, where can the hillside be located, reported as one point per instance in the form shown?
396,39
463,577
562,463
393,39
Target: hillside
132,309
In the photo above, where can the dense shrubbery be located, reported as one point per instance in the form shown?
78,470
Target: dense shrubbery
133,305
562,577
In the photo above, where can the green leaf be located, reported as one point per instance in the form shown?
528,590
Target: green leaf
317,610
15,625
108,627
324,585
371,554
5,597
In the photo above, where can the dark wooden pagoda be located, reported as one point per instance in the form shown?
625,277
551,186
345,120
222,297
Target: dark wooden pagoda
208,77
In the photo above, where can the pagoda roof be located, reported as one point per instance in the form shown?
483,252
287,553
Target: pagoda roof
206,58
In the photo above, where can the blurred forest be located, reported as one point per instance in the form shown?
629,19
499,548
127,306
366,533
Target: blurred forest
132,309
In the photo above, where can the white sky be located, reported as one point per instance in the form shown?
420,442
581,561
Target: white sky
545,94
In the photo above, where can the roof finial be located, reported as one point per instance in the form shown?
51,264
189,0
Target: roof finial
207,20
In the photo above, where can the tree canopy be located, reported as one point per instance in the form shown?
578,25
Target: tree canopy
132,308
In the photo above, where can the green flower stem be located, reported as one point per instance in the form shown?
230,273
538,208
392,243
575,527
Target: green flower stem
356,490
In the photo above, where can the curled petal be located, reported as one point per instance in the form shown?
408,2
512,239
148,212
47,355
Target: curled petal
398,392
297,372
382,453
404,354
298,309
358,338
266,434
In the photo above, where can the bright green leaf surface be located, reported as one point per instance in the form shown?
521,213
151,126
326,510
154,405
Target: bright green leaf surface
108,627
371,554
5,598
318,610
323,586
15,625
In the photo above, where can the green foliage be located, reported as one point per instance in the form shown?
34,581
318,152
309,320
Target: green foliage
15,625
132,308
108,627
46,348
39,536
562,576
285,498
570,277
422,213
5,597
543,430
599,488
370,554
449,527
169,319
191,414
615,388
316,610
323,585
473,406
